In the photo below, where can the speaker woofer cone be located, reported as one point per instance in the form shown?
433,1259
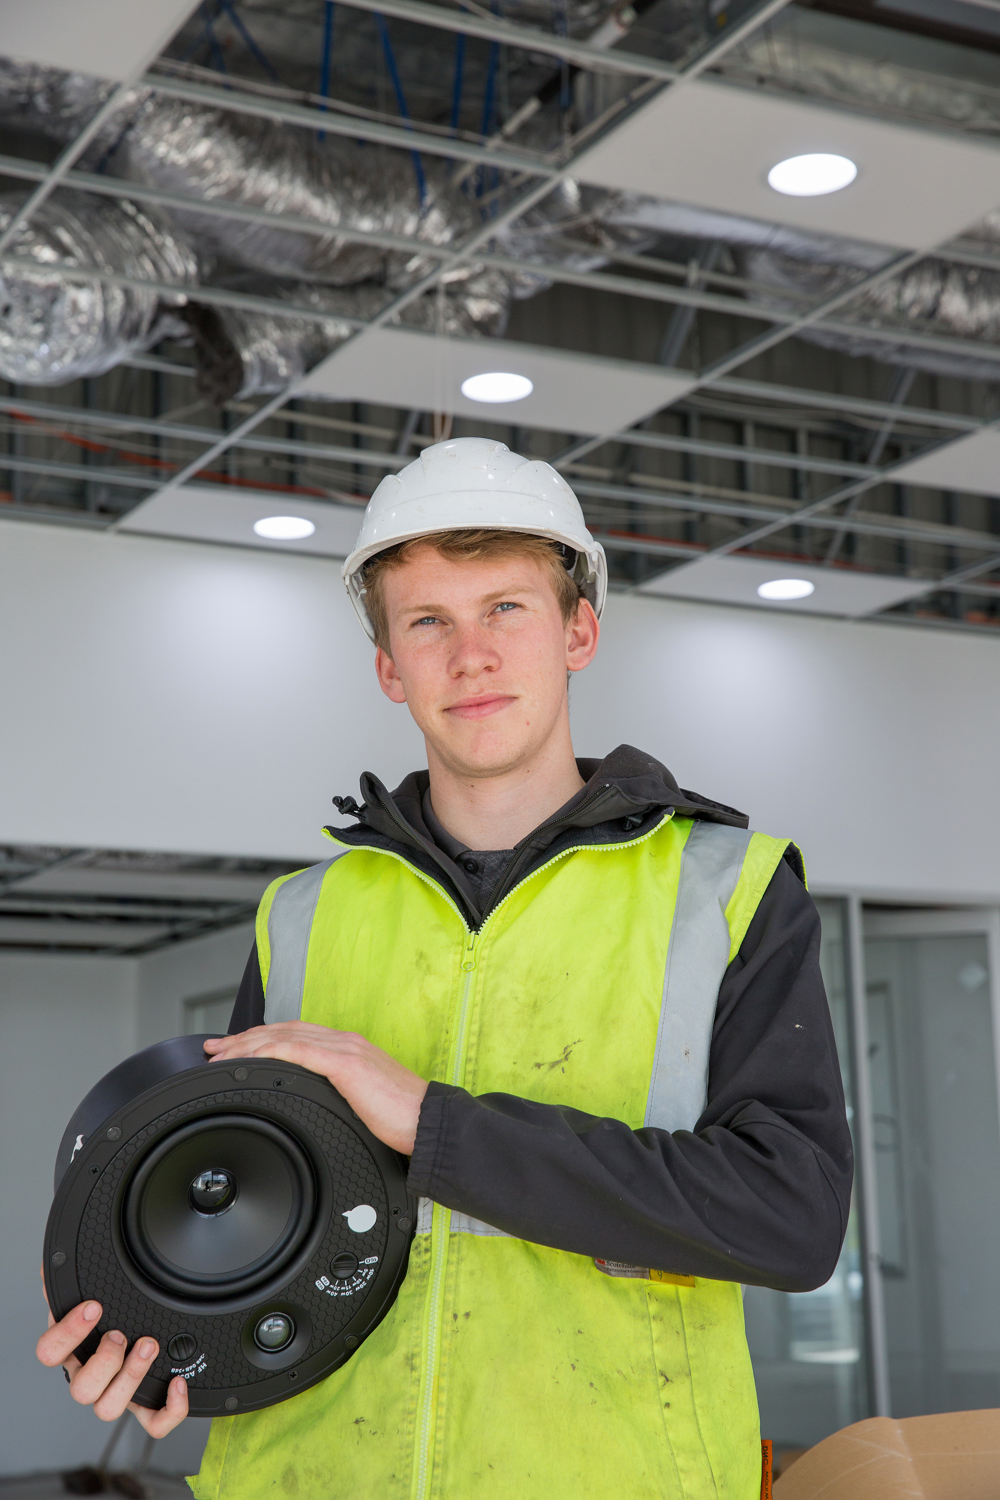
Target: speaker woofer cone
265,1206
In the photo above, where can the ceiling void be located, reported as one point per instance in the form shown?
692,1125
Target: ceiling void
970,463
735,580
713,144
222,513
572,393
105,38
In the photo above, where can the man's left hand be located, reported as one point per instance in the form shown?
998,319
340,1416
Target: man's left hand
384,1094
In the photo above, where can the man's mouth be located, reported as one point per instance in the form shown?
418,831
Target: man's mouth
480,708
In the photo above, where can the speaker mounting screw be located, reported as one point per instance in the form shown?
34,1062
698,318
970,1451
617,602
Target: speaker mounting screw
350,1342
114,1134
231,1403
241,1074
59,1258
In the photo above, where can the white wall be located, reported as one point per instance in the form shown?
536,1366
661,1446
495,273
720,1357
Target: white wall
182,972
64,1022
170,695
874,746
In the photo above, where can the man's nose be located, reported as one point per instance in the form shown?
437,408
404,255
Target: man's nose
473,651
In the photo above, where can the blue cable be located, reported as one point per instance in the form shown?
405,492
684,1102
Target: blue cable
215,51
324,66
562,29
244,33
390,63
488,96
456,90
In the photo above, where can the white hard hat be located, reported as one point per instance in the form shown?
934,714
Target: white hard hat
475,483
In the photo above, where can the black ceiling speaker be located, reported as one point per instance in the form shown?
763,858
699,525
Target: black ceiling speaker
239,1212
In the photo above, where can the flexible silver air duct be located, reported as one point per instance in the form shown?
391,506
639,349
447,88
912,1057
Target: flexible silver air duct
244,354
793,268
816,55
933,297
207,153
213,154
54,328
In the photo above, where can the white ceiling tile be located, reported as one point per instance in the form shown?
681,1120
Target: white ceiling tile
970,463
573,393
105,38
735,580
217,513
713,144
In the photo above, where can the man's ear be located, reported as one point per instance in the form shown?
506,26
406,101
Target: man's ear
582,634
389,679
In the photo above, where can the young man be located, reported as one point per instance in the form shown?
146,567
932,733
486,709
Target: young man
587,1004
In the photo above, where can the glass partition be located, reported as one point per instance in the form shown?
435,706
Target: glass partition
808,1348
936,1136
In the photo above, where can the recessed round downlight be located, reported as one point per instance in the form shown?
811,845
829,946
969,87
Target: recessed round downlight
284,528
812,175
497,386
786,588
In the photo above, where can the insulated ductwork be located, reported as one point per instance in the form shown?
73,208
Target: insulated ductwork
56,328
816,55
244,354
793,269
211,154
339,184
934,297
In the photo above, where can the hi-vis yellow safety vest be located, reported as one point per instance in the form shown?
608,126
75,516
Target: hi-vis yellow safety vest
507,1370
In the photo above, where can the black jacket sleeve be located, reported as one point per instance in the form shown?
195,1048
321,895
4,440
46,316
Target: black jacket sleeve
249,1007
758,1192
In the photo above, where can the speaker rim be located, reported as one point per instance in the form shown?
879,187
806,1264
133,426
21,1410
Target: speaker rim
98,1152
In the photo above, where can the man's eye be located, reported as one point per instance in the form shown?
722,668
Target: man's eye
427,620
507,605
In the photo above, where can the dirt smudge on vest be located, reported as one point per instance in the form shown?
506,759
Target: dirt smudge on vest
560,1061
290,1480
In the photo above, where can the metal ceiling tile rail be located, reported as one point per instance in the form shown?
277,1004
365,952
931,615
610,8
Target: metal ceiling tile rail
515,34
406,137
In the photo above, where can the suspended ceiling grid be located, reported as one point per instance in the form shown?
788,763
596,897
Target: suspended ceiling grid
761,443
122,903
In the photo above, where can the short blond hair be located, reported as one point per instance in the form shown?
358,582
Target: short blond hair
470,544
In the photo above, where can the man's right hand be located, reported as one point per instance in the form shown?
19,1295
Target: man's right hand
107,1381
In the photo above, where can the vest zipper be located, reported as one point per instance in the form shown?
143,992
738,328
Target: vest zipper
441,1219
440,1232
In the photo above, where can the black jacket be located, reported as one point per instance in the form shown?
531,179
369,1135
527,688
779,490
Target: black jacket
759,1192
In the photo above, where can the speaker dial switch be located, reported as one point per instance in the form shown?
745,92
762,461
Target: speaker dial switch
182,1348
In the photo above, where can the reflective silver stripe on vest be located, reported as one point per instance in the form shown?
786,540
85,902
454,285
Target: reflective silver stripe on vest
697,959
289,925
460,1223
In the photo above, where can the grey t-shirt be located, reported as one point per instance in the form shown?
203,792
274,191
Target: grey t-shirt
483,867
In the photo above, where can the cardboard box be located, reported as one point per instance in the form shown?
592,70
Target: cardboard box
952,1456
